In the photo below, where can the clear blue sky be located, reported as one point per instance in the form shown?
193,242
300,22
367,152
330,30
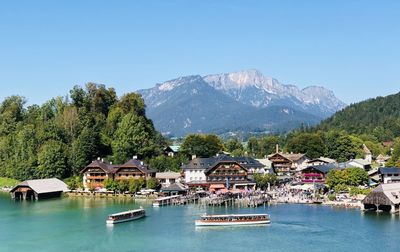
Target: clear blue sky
350,47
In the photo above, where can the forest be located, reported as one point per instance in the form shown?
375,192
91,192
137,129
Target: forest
378,117
60,137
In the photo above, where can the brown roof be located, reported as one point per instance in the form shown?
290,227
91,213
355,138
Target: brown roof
104,165
109,168
138,164
292,157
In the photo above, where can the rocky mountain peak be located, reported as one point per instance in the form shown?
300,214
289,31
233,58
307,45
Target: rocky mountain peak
171,84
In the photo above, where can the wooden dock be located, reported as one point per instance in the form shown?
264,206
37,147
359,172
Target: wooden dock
236,200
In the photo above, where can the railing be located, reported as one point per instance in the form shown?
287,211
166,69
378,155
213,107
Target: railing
96,177
128,177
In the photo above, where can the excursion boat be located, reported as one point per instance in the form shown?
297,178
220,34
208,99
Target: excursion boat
233,219
125,216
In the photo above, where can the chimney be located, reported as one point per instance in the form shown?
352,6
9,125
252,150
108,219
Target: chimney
102,160
277,148
141,163
110,163
134,157
193,157
98,158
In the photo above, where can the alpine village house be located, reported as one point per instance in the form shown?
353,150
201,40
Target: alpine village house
221,172
99,170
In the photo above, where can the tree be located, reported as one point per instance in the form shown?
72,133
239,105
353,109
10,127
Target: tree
152,183
163,163
341,146
136,184
337,177
233,144
357,176
74,182
11,112
201,145
395,158
310,144
340,179
123,185
267,145
263,181
132,102
252,146
84,149
134,136
52,160
110,185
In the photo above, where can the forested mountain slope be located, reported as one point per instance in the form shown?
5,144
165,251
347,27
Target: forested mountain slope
379,116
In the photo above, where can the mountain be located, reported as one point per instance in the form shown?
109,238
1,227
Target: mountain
252,88
240,101
379,117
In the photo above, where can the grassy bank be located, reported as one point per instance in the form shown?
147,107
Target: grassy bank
8,182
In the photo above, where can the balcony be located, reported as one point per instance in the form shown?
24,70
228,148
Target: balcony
97,177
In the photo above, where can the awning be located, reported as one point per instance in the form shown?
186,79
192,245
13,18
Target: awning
217,186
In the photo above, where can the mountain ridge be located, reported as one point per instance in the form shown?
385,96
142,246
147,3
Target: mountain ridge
243,99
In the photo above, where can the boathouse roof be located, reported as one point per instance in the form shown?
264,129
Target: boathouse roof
384,194
43,185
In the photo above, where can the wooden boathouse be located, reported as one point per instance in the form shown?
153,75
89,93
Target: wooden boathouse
38,189
385,197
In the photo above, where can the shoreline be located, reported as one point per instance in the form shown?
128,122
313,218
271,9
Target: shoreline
5,189
81,194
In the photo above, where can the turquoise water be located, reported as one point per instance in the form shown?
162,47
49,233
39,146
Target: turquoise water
78,224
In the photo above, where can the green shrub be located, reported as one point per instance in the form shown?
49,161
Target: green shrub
332,197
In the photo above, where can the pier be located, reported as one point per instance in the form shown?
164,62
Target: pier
236,200
165,201
214,200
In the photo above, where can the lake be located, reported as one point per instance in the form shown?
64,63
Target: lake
78,224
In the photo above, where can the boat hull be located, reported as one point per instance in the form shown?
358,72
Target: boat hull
231,223
124,220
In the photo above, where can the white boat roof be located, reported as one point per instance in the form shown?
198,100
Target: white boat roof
232,215
126,212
